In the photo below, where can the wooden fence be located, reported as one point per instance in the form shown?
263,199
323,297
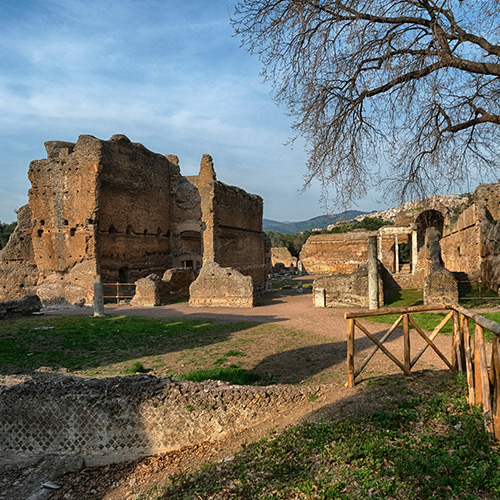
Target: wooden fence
468,352
118,292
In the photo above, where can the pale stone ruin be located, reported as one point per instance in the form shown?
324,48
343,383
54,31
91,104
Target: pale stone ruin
282,259
443,244
116,210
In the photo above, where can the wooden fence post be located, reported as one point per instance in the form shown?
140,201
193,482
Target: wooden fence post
350,352
406,340
456,345
469,369
495,369
482,379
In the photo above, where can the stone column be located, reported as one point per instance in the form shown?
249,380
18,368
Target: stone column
319,297
372,273
414,252
98,297
396,251
206,188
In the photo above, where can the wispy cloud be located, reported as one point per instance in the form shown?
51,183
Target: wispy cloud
167,74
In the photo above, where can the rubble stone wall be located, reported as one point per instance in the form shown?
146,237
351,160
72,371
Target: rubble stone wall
135,211
18,271
281,255
123,418
335,253
239,237
461,244
346,289
218,286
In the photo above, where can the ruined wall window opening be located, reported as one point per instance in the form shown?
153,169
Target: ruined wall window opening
123,275
129,229
112,229
404,253
39,233
72,231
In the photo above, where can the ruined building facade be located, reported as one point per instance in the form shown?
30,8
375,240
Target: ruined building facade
115,209
467,235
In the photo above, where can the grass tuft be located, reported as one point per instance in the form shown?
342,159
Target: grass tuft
137,367
233,374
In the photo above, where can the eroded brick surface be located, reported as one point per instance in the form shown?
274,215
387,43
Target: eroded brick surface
115,209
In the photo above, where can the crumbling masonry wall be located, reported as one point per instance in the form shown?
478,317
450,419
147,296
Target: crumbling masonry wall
281,255
342,289
235,262
114,208
471,239
136,211
123,418
335,253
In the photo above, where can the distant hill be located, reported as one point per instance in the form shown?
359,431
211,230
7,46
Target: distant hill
315,222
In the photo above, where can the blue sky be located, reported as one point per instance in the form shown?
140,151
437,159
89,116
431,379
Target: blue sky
166,73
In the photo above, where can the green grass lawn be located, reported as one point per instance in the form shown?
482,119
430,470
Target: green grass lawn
421,448
82,343
189,349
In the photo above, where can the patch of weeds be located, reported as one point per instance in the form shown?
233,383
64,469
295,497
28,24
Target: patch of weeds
232,353
426,448
137,367
233,374
156,363
313,397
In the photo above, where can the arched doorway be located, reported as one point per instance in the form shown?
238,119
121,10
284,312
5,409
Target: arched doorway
426,219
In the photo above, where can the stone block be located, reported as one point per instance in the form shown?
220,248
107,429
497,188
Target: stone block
218,286
147,292
440,287
26,305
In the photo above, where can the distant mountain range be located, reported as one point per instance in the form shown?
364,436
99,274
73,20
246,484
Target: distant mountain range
315,222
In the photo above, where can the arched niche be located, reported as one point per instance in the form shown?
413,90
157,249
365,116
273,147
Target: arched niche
425,220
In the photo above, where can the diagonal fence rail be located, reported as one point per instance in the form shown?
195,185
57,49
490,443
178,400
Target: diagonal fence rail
467,353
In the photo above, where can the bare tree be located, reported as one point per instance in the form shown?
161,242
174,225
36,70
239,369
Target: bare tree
410,86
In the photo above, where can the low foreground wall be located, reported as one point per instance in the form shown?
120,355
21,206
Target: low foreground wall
123,418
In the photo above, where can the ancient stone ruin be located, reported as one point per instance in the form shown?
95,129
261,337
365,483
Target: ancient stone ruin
123,418
282,259
463,245
117,210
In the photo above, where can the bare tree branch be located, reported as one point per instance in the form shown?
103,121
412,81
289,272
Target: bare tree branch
413,81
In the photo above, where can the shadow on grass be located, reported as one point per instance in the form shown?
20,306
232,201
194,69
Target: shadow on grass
296,365
76,342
